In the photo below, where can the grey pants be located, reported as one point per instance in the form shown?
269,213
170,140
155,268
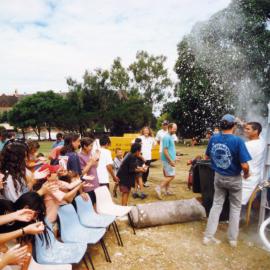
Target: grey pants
224,184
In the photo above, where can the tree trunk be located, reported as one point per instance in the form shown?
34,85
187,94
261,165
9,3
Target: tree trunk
81,130
23,133
37,132
49,131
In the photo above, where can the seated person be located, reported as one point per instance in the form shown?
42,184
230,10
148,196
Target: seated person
256,148
16,225
61,191
32,161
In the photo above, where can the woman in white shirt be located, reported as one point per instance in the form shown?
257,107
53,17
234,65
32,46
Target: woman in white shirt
148,142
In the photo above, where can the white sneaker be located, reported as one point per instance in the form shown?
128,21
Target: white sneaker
233,243
158,191
209,240
168,192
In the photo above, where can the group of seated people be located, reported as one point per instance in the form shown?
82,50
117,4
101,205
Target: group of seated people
33,188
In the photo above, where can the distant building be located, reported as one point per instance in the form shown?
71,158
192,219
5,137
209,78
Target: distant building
7,102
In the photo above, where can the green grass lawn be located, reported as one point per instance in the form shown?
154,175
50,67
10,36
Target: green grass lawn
45,147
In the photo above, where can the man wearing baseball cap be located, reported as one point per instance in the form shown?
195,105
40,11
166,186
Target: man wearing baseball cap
229,157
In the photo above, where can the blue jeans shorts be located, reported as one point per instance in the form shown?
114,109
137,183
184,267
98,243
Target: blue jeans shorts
168,169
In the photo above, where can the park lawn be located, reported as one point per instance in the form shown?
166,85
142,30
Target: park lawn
177,246
45,147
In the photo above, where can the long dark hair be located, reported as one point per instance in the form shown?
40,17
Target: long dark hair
12,162
35,202
68,139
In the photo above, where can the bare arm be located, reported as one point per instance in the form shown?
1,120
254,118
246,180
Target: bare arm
166,153
88,165
69,196
5,237
245,168
111,172
34,228
24,215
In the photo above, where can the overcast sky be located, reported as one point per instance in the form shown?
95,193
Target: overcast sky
42,42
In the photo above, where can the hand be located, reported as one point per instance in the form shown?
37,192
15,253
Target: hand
24,215
87,185
172,163
88,177
15,255
85,196
48,187
178,158
35,228
145,168
41,175
42,159
116,179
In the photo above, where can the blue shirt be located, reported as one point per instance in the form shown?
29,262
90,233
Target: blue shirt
2,144
73,163
57,143
227,152
168,142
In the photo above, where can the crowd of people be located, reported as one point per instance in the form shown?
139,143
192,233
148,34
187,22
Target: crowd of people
33,188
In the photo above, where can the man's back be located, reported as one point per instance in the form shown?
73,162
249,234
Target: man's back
227,152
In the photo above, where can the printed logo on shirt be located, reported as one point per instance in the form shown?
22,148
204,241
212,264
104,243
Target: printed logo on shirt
221,155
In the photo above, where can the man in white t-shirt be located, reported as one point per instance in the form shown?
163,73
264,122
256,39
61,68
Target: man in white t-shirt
161,133
256,148
105,163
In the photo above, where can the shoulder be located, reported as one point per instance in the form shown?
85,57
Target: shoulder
108,152
72,155
238,139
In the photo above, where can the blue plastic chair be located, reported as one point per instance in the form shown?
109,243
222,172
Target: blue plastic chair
72,231
88,216
58,252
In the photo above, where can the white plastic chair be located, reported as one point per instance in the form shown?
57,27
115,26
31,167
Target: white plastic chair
35,266
263,233
105,205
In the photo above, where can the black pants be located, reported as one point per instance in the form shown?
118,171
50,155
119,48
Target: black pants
145,175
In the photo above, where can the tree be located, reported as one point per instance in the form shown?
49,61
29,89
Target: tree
223,66
119,78
150,78
4,117
40,110
129,116
201,103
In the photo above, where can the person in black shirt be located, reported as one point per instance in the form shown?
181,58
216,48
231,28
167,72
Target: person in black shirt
127,171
